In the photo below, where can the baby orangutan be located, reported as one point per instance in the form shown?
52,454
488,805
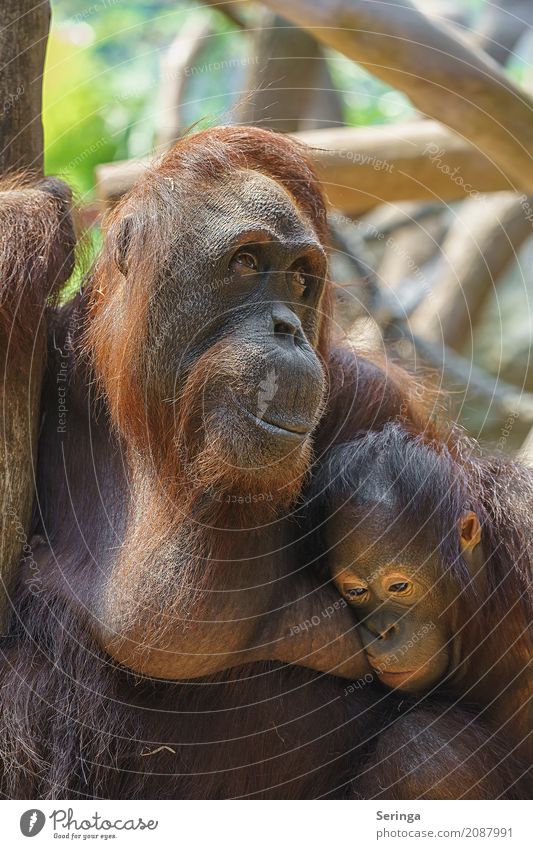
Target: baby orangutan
434,555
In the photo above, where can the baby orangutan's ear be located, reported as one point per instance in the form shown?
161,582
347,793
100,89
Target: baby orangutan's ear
469,532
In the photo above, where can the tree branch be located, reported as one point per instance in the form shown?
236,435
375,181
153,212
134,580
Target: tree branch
444,76
365,166
475,379
282,82
481,242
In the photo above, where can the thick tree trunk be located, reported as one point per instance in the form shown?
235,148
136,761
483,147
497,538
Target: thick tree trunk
23,37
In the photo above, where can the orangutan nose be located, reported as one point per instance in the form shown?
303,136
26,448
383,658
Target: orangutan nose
382,631
388,632
286,323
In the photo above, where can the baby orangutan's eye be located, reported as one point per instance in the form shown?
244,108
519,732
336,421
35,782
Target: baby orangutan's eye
400,587
352,593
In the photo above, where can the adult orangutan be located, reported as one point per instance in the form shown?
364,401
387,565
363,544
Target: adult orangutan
197,369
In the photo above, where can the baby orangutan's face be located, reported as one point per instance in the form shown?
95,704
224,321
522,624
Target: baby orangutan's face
395,582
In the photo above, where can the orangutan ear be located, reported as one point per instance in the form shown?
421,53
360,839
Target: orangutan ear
469,532
122,244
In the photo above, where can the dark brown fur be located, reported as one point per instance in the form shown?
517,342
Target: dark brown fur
484,605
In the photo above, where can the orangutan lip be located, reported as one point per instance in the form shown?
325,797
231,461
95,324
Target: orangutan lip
296,432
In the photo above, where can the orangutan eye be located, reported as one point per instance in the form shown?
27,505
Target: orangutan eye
243,262
400,587
301,281
355,593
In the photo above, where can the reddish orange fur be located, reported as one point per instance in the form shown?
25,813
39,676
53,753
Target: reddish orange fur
158,431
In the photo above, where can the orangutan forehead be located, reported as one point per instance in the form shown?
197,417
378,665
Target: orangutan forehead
380,536
249,200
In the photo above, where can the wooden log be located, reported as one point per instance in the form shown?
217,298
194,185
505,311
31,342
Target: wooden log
444,76
363,167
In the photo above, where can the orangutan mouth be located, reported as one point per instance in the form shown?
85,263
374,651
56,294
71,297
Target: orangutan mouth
295,430
392,679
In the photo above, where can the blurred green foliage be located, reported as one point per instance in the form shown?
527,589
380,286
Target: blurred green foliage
366,99
76,132
102,77
100,80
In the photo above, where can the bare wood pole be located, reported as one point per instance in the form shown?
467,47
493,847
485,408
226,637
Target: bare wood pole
23,37
177,63
287,79
435,67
